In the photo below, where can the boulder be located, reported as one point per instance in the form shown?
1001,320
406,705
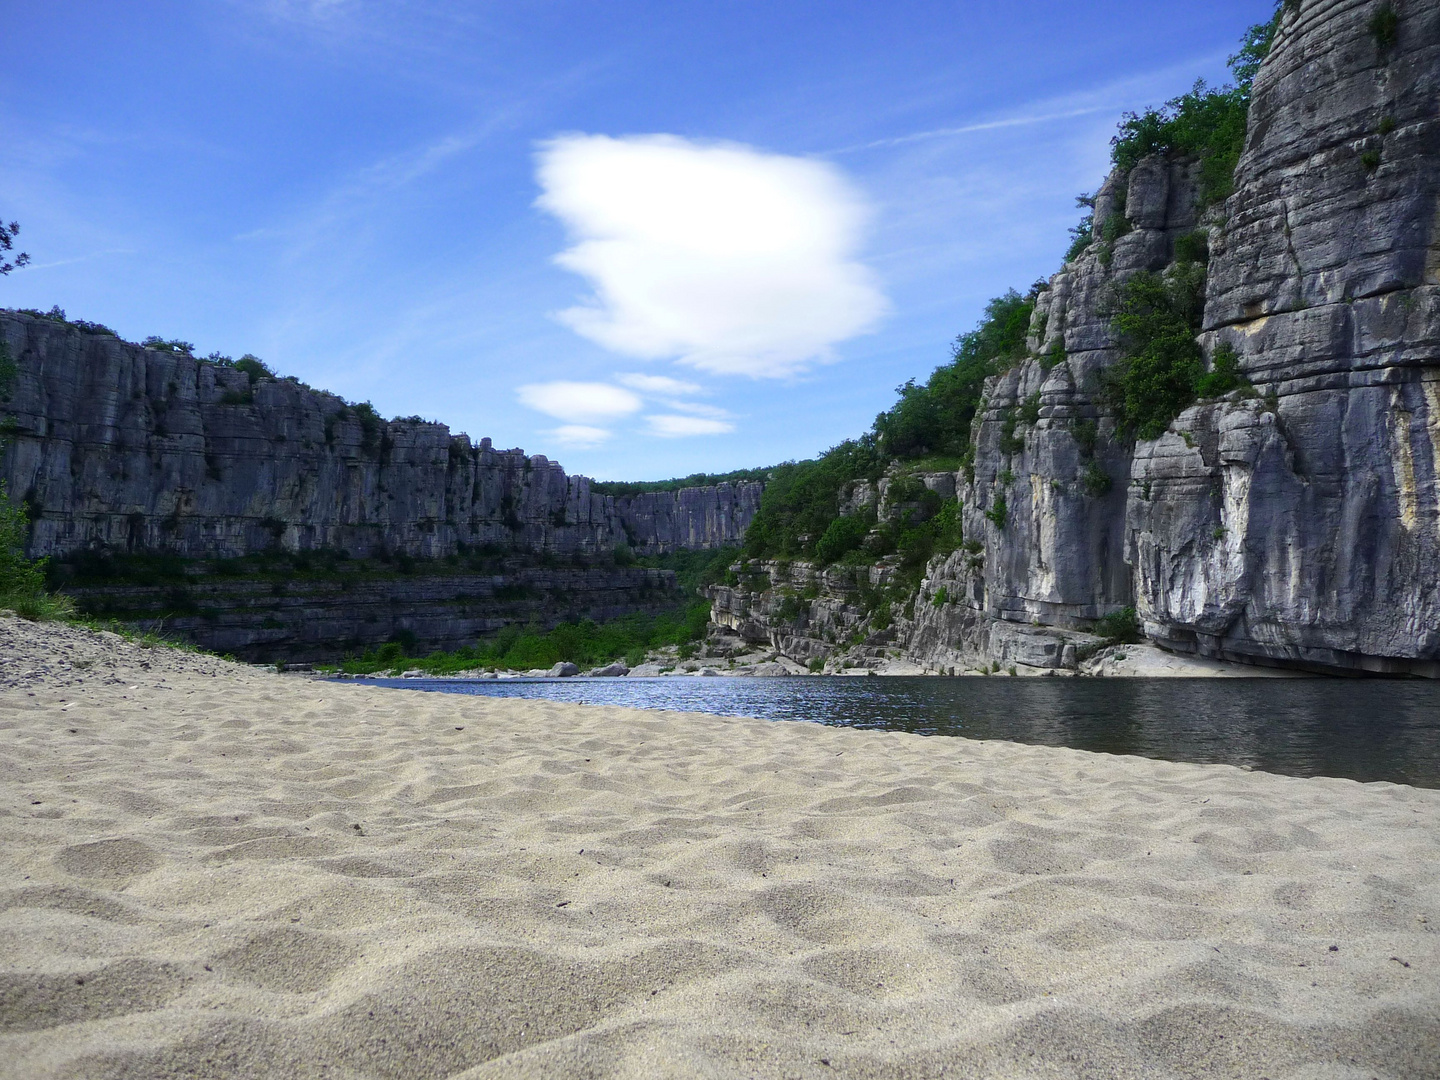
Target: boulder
609,671
563,670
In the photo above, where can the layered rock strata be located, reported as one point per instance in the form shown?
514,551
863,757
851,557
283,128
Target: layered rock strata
115,446
117,449
1294,522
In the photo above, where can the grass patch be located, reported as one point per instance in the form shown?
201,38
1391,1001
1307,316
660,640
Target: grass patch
22,580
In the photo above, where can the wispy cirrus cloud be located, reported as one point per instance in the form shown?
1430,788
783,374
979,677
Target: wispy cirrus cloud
726,258
587,405
579,402
658,384
671,426
580,436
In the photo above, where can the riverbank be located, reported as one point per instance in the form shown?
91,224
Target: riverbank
214,870
1131,661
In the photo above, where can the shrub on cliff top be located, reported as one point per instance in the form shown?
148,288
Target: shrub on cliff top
935,418
1208,124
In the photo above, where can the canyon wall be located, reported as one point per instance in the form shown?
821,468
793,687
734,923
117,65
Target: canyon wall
115,446
1294,521
119,451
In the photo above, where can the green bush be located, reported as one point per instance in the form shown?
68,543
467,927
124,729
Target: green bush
1054,355
941,598
802,499
1193,247
22,582
1385,27
171,345
791,607
998,512
1029,412
842,536
1161,363
1224,374
1096,480
254,368
1082,234
1010,443
1120,627
9,371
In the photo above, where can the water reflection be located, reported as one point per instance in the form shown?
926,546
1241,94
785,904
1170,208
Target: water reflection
1361,729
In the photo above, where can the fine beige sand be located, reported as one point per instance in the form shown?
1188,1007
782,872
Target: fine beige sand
210,871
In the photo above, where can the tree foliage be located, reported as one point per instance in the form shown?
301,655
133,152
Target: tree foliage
801,499
1207,124
934,418
8,233
1162,367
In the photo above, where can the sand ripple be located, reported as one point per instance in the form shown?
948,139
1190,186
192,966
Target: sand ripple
253,876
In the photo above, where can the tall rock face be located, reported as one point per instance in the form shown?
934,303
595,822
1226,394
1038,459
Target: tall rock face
418,535
1294,522
114,446
1304,527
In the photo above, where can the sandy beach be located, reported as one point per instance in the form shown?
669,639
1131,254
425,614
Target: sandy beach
212,871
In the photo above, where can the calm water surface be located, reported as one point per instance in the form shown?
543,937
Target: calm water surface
1363,729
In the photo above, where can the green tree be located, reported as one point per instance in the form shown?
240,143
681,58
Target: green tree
8,233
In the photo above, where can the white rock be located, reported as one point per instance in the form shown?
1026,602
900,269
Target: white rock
609,670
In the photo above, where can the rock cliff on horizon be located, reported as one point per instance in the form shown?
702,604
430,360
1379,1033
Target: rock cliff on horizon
151,471
114,446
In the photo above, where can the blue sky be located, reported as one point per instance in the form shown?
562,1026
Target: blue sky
645,239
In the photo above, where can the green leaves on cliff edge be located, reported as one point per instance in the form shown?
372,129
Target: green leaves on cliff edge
1162,367
801,499
1206,124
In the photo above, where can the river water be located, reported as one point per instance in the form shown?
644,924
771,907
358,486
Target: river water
1362,729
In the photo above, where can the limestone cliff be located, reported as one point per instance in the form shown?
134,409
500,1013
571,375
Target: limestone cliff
1294,521
120,447
116,449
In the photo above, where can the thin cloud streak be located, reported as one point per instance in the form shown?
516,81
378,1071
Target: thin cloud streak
1106,98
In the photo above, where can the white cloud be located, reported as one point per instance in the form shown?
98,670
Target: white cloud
658,384
579,402
697,410
726,258
675,427
579,436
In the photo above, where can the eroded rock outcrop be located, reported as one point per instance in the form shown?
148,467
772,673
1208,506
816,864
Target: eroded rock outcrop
1295,521
115,446
115,449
